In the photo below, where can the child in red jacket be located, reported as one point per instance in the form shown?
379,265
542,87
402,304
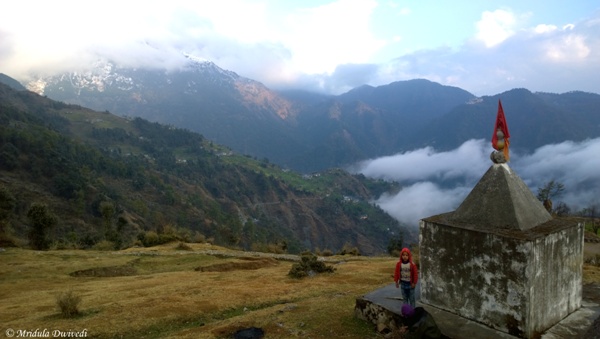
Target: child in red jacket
406,276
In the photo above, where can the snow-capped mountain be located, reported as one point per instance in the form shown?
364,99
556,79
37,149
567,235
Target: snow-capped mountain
199,96
101,75
196,77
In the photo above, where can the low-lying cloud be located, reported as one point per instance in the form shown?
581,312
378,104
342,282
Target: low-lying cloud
437,182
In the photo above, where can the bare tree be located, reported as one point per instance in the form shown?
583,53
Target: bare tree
549,191
562,209
592,212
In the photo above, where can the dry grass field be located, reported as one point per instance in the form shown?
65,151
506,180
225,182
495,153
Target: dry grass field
169,293
203,292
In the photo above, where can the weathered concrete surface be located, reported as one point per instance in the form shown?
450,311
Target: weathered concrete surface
387,301
501,200
501,259
518,282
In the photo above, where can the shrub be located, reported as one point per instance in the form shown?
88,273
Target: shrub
593,260
183,247
327,253
199,238
298,271
68,304
154,238
275,248
349,250
166,238
104,245
7,238
149,239
42,220
309,265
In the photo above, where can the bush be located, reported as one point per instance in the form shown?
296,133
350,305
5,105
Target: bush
327,253
309,265
298,272
169,234
593,260
347,249
275,248
149,238
199,238
104,245
42,220
183,247
167,238
68,304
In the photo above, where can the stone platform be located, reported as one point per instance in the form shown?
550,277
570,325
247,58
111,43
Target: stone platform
382,308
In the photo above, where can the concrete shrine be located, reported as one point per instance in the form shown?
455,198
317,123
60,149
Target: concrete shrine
499,266
501,259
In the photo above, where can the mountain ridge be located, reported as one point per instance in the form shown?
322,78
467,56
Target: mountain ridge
310,132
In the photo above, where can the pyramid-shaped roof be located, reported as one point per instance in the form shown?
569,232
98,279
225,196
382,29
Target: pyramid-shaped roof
501,200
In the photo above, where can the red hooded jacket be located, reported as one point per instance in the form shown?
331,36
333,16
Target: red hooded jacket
414,274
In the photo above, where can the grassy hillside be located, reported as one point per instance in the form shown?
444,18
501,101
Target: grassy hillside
98,180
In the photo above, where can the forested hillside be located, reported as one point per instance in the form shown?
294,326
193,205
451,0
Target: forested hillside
71,177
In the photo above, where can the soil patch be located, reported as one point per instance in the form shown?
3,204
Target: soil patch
591,249
594,331
246,264
591,292
110,271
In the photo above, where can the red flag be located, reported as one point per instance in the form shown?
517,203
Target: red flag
501,136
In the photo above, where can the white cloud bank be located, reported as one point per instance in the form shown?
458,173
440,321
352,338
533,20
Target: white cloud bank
330,46
437,182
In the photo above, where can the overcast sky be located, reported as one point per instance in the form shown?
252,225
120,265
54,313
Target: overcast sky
484,47
425,176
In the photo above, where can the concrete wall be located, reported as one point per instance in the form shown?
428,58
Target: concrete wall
518,282
556,277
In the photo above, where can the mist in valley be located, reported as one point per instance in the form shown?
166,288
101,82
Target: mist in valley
436,182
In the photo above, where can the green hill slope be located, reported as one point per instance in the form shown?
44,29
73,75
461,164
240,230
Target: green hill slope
121,182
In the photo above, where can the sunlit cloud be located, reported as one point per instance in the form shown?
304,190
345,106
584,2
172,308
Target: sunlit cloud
337,33
567,49
543,28
495,27
304,44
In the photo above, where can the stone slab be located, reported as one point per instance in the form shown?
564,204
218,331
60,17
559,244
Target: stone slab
573,326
